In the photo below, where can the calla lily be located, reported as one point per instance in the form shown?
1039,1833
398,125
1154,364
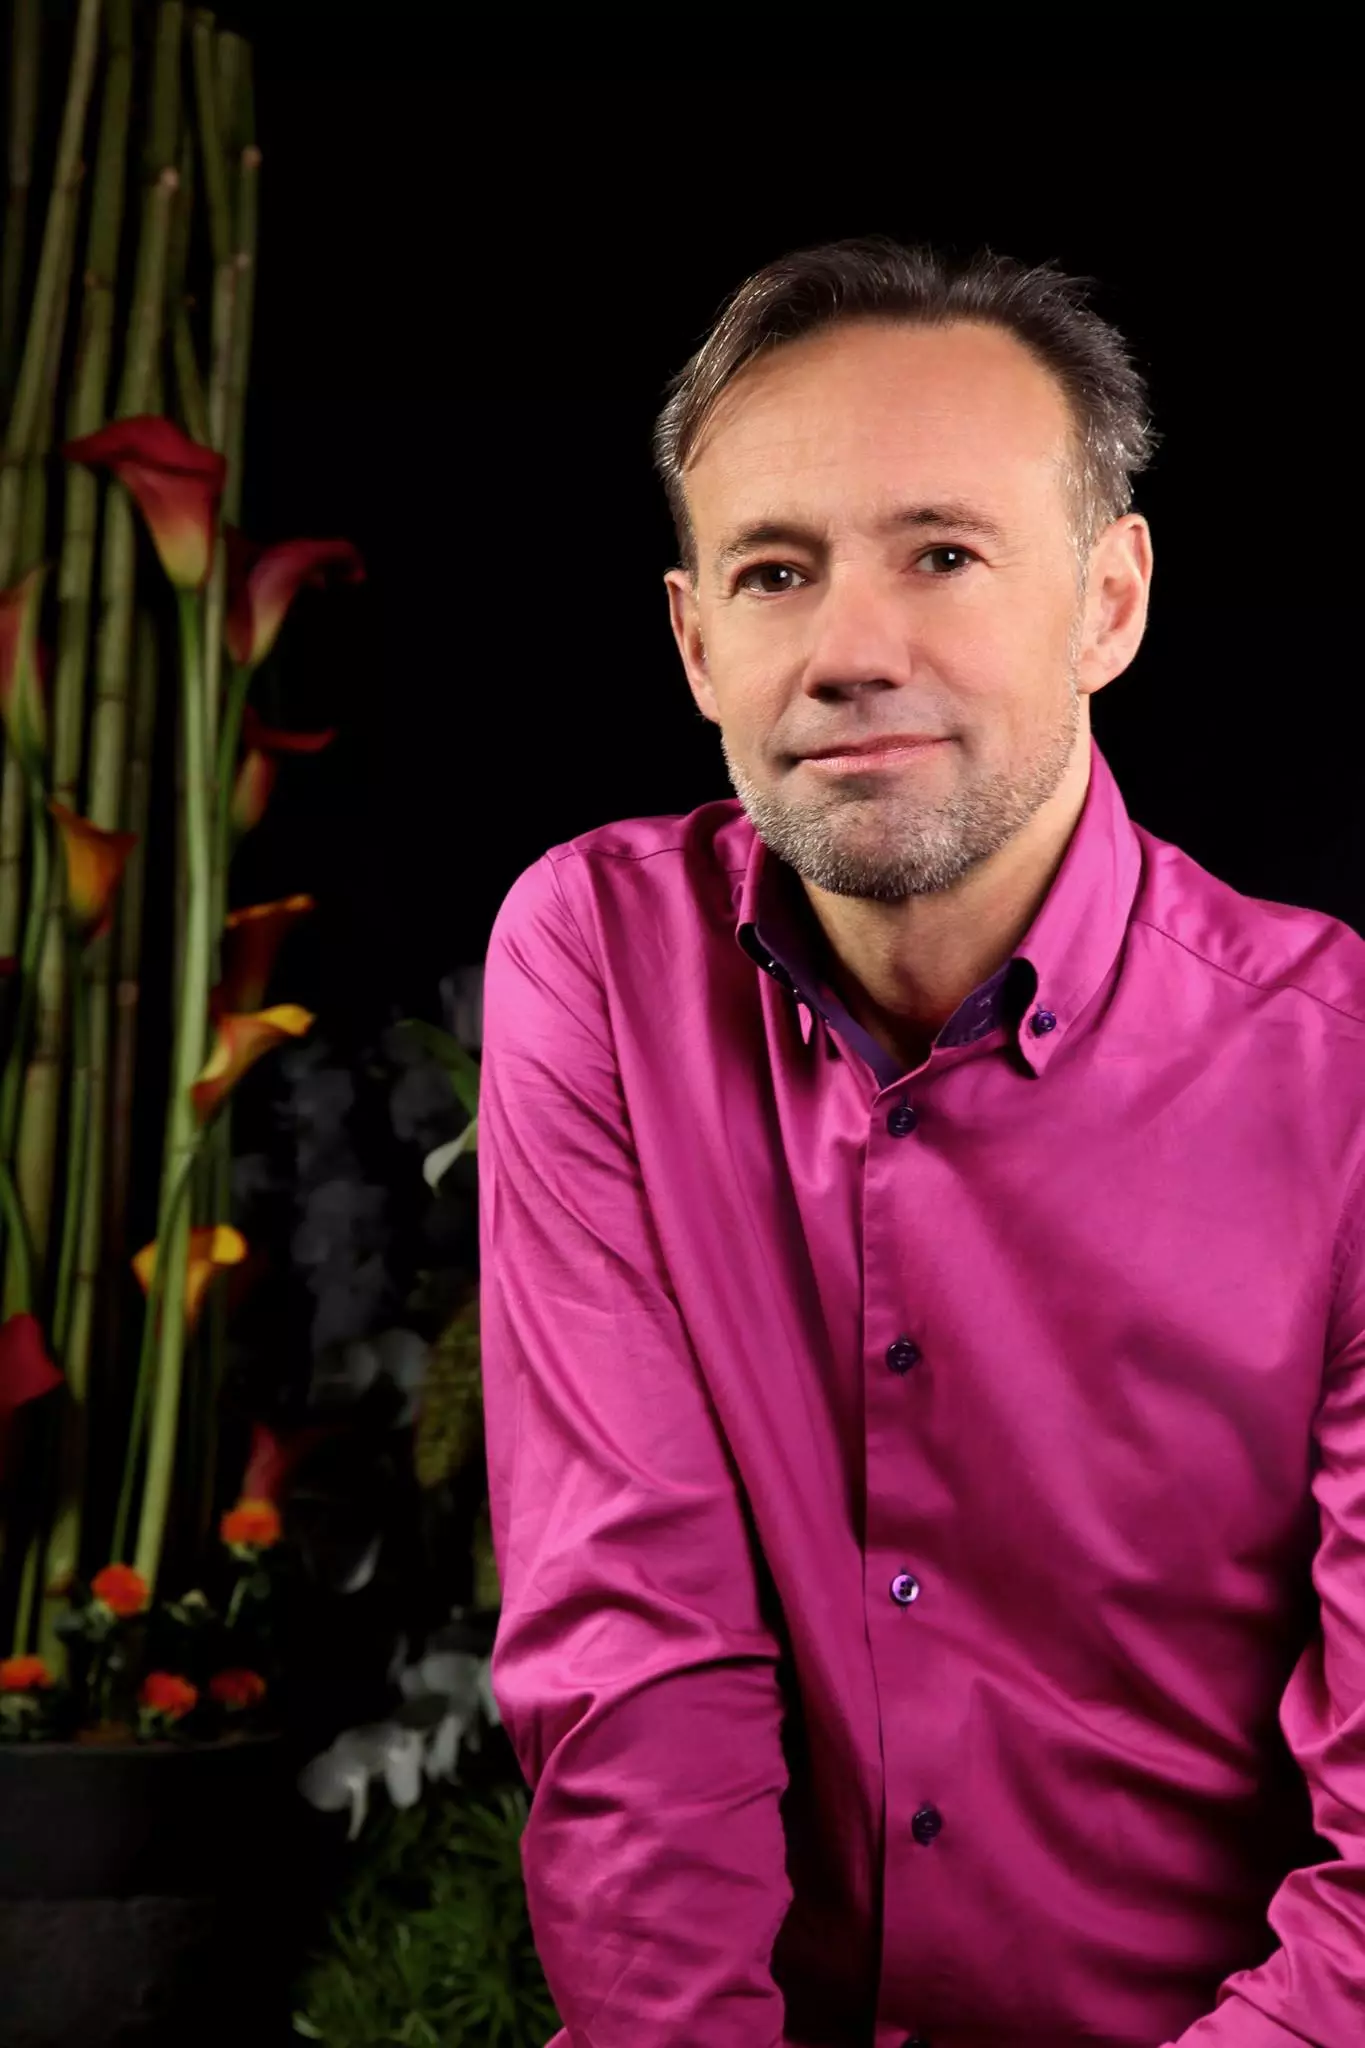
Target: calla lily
211,1249
242,1040
175,482
21,696
95,860
272,1458
263,583
251,791
260,738
262,746
251,939
26,1371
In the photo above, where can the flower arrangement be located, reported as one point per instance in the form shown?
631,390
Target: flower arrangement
97,1644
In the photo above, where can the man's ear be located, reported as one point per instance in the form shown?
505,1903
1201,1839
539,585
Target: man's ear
1118,589
685,618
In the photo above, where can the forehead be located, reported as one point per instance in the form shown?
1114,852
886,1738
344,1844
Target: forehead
960,411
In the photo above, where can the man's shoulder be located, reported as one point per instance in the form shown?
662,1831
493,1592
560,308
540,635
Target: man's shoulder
1266,944
677,867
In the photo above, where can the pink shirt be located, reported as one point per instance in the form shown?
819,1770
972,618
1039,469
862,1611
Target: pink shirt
922,1499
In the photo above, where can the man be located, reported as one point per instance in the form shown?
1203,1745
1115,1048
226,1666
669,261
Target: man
922,1223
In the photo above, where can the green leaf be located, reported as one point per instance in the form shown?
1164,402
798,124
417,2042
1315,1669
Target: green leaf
461,1066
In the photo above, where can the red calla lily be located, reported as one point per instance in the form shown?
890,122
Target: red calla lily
95,860
240,1043
263,583
21,696
26,1371
175,482
26,1374
262,746
260,738
251,939
272,1458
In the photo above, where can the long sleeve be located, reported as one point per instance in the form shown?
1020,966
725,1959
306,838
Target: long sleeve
1312,1987
633,1669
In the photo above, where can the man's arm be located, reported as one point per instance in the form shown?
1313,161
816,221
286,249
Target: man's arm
632,1668
1312,1989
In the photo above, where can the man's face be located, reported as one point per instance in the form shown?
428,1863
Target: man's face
921,576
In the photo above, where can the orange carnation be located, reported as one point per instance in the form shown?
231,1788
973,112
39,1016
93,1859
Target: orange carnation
255,1524
163,1692
23,1674
122,1590
237,1688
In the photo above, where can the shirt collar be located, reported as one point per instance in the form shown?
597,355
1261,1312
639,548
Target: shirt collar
1062,959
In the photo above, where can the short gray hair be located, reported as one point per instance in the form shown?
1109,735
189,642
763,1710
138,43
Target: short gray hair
871,277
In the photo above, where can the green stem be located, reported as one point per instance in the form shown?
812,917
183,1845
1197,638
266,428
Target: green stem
66,178
28,962
25,45
77,1159
18,1238
142,1391
182,1132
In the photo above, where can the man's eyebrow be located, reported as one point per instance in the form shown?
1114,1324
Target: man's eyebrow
948,514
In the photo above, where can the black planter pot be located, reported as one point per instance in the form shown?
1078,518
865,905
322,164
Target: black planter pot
147,1894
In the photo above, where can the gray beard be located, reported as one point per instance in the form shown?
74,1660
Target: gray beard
892,845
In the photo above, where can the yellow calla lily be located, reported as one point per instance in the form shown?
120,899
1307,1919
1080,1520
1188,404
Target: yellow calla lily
211,1249
240,1043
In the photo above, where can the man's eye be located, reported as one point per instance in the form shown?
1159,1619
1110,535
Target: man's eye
947,560
767,569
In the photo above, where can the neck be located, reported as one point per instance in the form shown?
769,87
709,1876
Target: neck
902,969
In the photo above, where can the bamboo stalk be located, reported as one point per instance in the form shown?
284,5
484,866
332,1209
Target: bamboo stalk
40,842
28,390
193,407
113,639
131,917
225,279
182,1132
86,410
24,53
129,927
11,853
41,1096
66,177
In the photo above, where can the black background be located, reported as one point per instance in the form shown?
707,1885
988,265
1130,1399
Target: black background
472,291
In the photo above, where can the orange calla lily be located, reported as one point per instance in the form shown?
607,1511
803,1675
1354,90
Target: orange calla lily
175,482
251,939
95,860
211,1249
263,583
241,1042
21,697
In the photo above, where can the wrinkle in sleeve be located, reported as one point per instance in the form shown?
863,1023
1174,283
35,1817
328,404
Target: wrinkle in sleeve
1312,1988
632,1668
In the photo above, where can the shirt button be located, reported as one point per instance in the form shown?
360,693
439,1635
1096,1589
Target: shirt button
926,1824
905,1588
1042,1021
902,1120
901,1355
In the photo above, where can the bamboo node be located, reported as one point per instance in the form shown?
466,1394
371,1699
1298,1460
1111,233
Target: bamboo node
125,995
251,158
243,259
170,179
